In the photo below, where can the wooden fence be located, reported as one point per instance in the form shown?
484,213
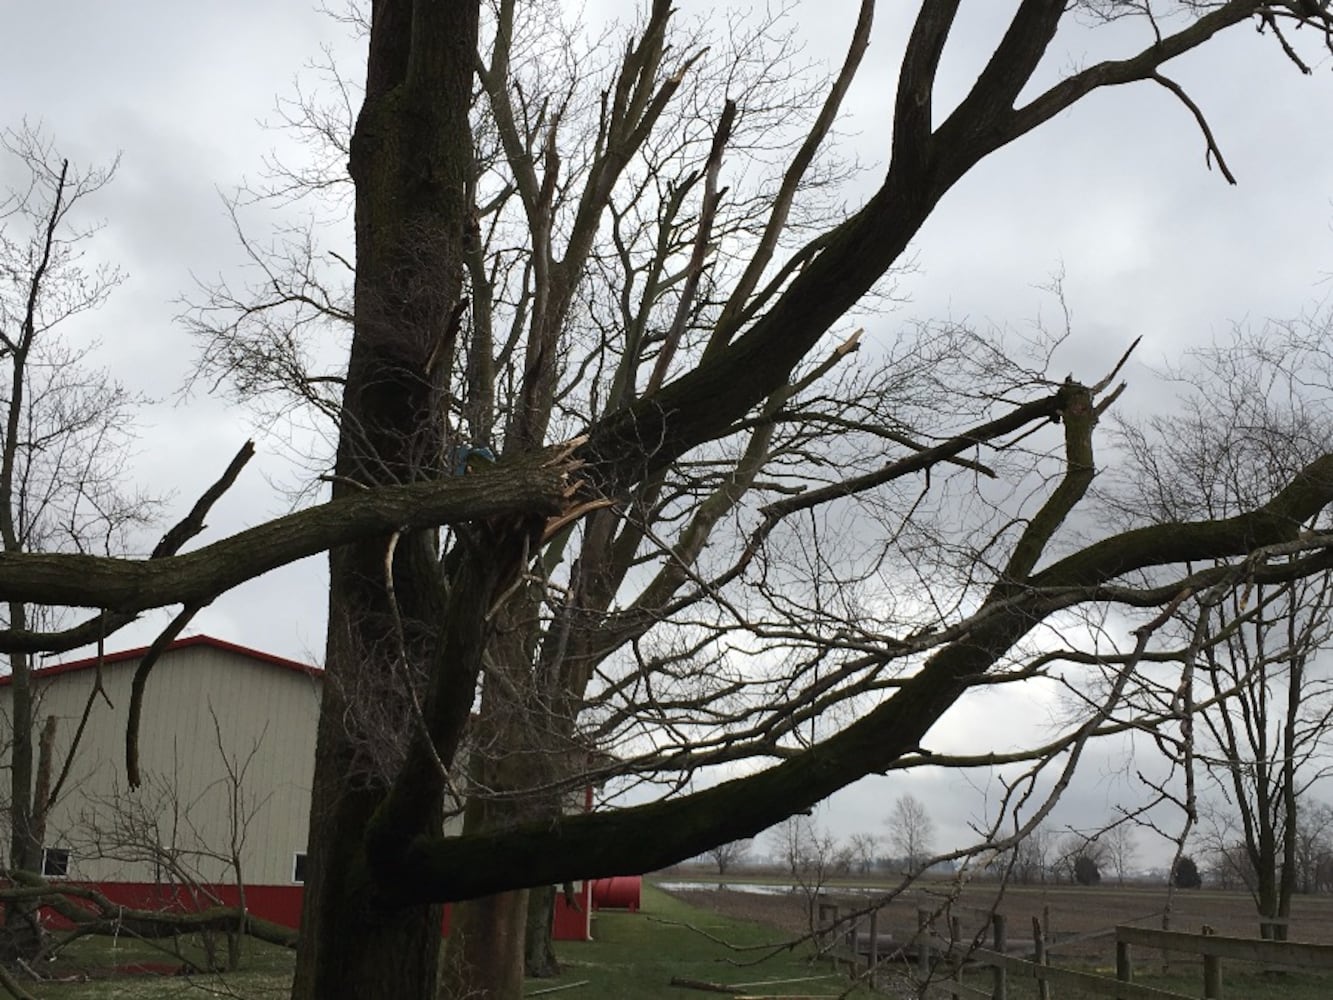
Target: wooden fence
1215,947
1003,966
938,961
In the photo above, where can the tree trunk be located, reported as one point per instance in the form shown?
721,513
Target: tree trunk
1267,898
539,959
352,943
390,619
488,941
22,931
485,951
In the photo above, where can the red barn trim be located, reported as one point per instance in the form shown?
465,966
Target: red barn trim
120,656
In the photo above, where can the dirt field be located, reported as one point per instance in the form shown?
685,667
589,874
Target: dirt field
1073,914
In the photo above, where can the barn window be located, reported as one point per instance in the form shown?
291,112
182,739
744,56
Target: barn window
298,867
55,862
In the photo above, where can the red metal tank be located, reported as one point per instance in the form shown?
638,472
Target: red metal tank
622,892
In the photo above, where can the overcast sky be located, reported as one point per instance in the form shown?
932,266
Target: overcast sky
1115,192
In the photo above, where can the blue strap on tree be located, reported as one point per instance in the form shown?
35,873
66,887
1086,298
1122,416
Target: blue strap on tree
468,458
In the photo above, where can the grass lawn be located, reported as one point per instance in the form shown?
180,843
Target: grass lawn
88,970
636,955
1238,984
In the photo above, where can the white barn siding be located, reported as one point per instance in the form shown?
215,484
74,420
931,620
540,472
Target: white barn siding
266,713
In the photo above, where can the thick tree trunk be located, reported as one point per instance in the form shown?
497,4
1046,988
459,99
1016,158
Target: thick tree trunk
353,943
539,959
485,951
390,617
509,754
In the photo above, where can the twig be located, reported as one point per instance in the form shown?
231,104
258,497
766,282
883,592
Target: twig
1267,18
702,985
557,989
11,984
781,982
1214,151
1110,376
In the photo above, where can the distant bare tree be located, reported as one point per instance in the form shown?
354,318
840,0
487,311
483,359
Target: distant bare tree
727,856
1314,843
1032,861
911,831
809,855
864,849
1120,849
791,843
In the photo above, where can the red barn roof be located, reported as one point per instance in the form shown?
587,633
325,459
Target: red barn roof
186,643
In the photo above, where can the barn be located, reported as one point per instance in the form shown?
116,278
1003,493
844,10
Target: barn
226,750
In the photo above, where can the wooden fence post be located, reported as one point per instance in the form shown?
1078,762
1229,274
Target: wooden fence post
1166,954
1000,991
873,957
923,944
1212,977
1124,968
955,938
1039,956
1212,972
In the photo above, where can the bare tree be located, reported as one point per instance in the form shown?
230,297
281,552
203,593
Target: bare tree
810,856
629,418
865,851
154,829
1033,856
911,832
727,856
154,835
1260,699
64,430
791,843
1314,845
1120,845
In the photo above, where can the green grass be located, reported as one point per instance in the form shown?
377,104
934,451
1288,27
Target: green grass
636,955
266,972
1239,984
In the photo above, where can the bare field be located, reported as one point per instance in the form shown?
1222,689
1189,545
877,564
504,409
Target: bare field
1074,915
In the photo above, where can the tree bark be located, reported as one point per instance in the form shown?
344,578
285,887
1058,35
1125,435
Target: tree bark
539,958
485,950
22,931
411,160
509,753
